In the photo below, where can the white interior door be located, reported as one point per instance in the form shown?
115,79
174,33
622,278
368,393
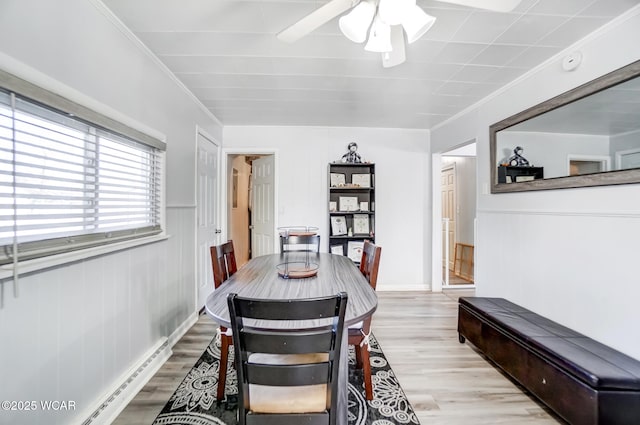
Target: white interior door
449,212
207,214
262,205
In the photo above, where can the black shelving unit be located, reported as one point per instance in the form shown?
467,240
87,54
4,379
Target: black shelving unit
351,204
513,174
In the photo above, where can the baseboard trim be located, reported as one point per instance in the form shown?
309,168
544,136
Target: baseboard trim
400,288
182,329
112,404
132,381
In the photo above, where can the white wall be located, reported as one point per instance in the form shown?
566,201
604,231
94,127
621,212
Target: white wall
75,331
567,254
401,181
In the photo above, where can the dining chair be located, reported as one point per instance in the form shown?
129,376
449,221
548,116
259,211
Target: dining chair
300,243
223,259
287,375
359,333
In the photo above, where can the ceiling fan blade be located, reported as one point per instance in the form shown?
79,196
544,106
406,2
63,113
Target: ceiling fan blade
494,5
397,55
315,19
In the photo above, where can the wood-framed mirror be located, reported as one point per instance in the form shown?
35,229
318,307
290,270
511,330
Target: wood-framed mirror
588,136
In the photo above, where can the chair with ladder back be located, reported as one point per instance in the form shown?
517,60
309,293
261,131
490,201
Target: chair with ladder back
223,259
287,373
359,333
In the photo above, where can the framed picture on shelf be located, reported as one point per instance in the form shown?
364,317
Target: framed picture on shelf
362,180
337,180
337,249
338,226
361,224
354,250
348,203
333,206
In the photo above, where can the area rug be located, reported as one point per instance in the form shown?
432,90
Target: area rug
194,402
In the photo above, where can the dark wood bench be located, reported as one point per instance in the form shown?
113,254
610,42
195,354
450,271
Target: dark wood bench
583,381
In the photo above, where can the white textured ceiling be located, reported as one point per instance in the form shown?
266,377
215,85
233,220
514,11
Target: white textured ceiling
226,52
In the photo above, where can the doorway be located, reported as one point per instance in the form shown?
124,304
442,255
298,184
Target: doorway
251,204
448,193
628,159
454,217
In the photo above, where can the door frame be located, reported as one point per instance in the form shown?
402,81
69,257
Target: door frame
622,153
436,217
451,166
226,172
202,132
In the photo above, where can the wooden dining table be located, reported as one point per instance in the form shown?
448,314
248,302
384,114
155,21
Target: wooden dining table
259,278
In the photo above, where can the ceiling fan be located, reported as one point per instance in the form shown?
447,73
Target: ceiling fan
386,22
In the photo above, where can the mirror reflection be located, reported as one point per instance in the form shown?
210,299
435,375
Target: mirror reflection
595,132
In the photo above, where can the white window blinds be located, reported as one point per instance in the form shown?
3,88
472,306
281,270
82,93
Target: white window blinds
67,184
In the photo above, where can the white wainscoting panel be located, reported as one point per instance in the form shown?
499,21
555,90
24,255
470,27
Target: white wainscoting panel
75,330
577,268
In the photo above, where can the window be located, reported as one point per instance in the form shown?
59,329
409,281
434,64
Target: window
68,184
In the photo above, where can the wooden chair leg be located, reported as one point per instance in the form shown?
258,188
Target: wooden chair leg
358,350
222,375
366,371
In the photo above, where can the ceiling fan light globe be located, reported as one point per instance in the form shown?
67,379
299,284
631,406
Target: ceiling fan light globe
397,55
355,24
392,12
417,23
379,37
390,61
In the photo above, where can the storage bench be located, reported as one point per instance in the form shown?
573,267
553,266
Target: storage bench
583,381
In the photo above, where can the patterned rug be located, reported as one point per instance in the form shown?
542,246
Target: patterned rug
194,402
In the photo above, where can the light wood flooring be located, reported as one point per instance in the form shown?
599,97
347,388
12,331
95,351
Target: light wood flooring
445,381
456,280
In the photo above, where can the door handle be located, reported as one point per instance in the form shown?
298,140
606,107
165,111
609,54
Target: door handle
218,231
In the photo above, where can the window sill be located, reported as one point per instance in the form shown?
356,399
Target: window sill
30,266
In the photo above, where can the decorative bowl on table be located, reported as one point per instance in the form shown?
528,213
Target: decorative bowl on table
297,230
297,270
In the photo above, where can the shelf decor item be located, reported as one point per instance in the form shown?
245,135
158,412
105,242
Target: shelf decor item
349,203
354,250
297,269
337,180
517,160
338,225
354,219
361,180
352,156
361,224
